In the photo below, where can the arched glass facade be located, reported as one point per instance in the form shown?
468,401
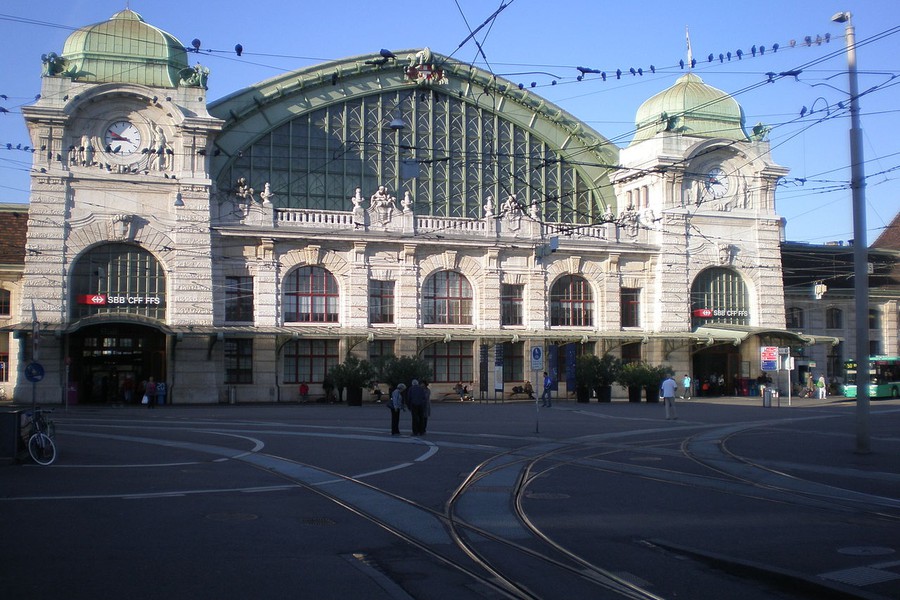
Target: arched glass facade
459,153
447,299
719,295
118,278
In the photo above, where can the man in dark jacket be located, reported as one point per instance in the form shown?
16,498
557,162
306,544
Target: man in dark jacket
418,399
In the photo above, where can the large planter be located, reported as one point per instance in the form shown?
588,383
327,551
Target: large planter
583,393
604,393
652,392
634,393
354,396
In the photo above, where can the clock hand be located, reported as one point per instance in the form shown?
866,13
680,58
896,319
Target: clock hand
118,137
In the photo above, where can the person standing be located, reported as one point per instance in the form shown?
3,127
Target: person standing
548,388
396,405
150,392
427,405
418,400
820,386
686,384
667,390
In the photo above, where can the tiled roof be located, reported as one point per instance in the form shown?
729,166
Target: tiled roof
890,237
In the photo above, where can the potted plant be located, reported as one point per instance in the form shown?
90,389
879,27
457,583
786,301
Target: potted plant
353,375
634,376
597,374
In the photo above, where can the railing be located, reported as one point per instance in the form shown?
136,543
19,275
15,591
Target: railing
325,220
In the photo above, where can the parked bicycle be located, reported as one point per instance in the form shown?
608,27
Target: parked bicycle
40,443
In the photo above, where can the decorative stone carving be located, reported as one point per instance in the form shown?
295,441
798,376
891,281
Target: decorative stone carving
512,213
119,227
382,206
266,195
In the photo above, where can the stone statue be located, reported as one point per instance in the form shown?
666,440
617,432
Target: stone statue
158,147
489,207
382,204
195,76
243,190
406,203
359,213
54,64
266,195
512,212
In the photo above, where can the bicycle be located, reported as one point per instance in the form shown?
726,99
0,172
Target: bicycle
40,443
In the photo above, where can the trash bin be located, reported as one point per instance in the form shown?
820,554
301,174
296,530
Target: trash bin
10,434
767,397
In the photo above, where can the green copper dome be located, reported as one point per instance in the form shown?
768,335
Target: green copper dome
125,49
690,107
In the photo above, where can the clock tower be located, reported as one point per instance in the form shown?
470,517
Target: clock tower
703,189
120,195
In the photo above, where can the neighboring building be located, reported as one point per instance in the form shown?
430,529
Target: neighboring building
13,228
412,206
819,300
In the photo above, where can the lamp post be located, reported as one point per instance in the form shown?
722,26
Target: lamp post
860,251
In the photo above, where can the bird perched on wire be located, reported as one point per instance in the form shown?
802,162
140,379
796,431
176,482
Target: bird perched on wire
586,70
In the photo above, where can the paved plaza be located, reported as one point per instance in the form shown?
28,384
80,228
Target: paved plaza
498,500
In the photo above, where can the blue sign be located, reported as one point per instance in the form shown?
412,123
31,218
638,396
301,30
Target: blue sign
34,372
537,358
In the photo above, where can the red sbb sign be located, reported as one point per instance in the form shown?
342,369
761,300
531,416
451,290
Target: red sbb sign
703,312
92,299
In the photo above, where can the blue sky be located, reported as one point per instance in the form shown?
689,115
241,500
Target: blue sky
534,41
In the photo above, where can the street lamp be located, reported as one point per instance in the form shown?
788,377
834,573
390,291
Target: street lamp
860,256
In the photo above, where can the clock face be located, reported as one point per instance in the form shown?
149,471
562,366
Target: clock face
122,138
716,183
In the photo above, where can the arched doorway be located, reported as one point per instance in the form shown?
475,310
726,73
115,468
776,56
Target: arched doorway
110,358
117,296
719,295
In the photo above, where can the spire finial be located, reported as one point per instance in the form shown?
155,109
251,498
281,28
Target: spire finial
690,54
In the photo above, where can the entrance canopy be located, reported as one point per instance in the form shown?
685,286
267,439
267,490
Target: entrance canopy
736,334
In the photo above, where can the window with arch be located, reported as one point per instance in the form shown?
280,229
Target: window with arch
571,302
795,318
719,295
118,278
834,318
311,296
447,299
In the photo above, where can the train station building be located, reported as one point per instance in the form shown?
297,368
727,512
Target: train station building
406,205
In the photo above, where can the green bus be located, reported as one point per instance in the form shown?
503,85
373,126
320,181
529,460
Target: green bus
884,377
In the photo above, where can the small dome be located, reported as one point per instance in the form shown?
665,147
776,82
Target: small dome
690,107
125,49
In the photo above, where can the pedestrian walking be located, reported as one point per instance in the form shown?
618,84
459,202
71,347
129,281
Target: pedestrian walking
820,386
396,405
667,391
427,405
686,384
548,388
149,393
418,400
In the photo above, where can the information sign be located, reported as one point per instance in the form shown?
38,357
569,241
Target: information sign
537,358
768,358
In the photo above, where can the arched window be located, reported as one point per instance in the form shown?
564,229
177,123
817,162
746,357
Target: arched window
795,318
834,318
571,302
310,296
719,295
447,299
118,278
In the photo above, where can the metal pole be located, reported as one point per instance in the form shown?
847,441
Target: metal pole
860,250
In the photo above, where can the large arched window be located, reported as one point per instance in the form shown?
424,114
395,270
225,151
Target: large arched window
310,296
719,295
447,299
118,278
317,160
571,302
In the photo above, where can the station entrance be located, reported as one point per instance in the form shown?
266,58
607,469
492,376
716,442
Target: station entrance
110,360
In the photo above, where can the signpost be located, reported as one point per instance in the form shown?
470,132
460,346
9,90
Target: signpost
537,364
